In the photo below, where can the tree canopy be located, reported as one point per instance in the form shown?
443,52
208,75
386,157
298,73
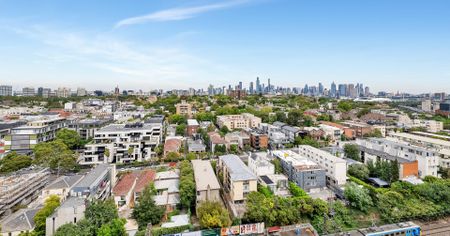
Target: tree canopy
146,211
213,215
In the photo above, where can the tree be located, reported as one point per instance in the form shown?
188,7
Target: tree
69,229
177,119
234,148
51,203
69,137
296,191
146,211
344,106
224,130
352,151
358,197
359,171
187,185
180,130
114,228
294,117
13,162
265,190
306,141
173,156
99,213
277,164
213,215
55,155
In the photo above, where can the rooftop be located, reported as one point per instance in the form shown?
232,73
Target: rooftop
93,176
204,175
296,160
422,139
128,127
238,170
192,122
125,184
19,221
64,182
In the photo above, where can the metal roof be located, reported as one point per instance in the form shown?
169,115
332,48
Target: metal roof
238,170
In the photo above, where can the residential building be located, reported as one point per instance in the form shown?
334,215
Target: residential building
24,138
196,146
97,184
238,138
238,180
143,180
123,192
335,167
307,174
172,144
242,121
63,92
237,93
192,127
28,92
427,160
333,133
361,129
348,132
70,211
430,125
426,105
290,132
19,222
206,184
167,185
123,143
259,164
259,140
61,186
6,90
21,187
184,108
277,183
86,128
216,140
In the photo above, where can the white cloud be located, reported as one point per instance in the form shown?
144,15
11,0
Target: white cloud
174,14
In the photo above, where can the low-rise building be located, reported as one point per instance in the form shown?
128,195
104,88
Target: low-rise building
259,164
61,186
172,144
304,172
196,146
333,133
238,180
24,138
21,221
97,184
290,132
123,192
192,127
427,160
277,183
242,121
167,185
259,140
206,183
70,211
21,187
335,167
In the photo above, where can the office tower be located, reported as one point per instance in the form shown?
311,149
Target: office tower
81,92
351,91
367,91
361,90
268,85
63,92
210,90
46,92
320,89
251,88
426,105
305,89
342,89
28,92
40,91
240,85
117,91
258,85
5,90
333,90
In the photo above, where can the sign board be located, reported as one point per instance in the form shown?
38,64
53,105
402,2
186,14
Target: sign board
257,228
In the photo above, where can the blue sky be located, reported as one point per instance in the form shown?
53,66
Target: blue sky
393,45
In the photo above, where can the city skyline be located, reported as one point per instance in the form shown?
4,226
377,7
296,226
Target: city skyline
181,44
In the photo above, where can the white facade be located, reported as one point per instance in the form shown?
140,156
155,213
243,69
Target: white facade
242,121
332,132
70,211
260,165
335,167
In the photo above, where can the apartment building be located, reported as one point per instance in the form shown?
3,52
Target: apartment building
304,172
184,108
335,167
167,185
24,138
333,133
290,132
61,186
238,180
6,90
361,129
70,211
427,159
123,143
206,183
242,121
97,184
192,127
259,164
86,128
21,187
430,125
259,140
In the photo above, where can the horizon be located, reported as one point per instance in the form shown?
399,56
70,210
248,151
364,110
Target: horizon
389,46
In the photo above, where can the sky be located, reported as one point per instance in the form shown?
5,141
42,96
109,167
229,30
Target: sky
389,45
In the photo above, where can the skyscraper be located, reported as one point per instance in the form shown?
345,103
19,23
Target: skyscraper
258,85
5,90
342,90
333,90
320,89
268,85
240,85
251,88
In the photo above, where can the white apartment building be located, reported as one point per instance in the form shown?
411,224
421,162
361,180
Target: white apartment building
426,142
259,164
123,143
242,121
331,132
427,159
430,125
70,211
335,167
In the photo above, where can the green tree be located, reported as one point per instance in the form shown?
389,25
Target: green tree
187,185
359,171
177,119
146,211
51,203
180,130
114,228
277,164
224,130
55,155
13,162
69,229
99,213
344,106
172,156
294,117
296,191
358,197
352,151
69,137
213,215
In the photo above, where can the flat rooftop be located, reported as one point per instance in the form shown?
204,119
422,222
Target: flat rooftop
422,139
128,127
238,170
204,175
